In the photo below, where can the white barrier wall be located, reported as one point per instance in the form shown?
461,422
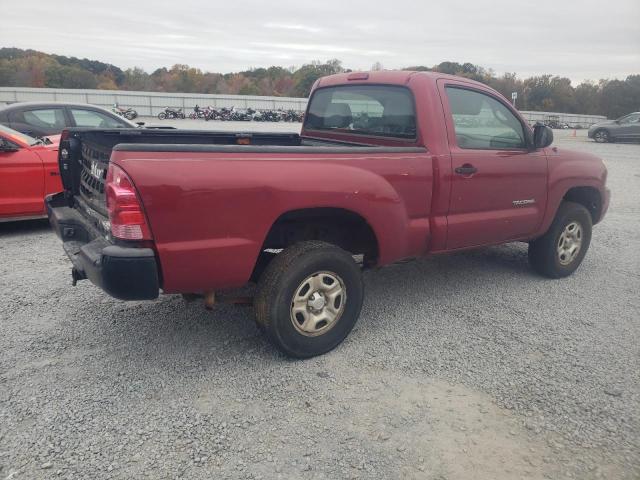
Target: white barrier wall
571,119
152,103
147,103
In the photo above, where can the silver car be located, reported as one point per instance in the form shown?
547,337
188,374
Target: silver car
625,128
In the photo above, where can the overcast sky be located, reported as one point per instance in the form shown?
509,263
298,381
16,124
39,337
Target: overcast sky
580,39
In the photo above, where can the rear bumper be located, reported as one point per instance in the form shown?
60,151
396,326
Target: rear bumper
125,273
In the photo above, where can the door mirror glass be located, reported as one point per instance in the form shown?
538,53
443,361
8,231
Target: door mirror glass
542,136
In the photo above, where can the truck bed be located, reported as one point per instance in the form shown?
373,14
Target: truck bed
198,188
88,151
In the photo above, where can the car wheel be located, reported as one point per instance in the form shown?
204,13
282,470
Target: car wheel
309,298
560,251
602,136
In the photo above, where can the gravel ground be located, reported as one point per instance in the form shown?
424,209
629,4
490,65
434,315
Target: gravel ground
462,366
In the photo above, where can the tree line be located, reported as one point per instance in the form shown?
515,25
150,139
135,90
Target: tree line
30,68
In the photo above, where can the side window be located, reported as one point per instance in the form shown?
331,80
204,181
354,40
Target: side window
482,122
45,118
90,118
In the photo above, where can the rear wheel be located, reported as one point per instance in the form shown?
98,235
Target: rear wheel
602,136
309,298
560,251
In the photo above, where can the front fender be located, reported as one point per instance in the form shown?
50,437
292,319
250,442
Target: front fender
567,170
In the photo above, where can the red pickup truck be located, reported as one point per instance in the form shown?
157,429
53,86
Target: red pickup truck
389,165
28,173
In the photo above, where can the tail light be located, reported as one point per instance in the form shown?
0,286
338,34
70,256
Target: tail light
126,215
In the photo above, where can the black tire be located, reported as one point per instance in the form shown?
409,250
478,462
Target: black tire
162,115
602,136
284,277
544,255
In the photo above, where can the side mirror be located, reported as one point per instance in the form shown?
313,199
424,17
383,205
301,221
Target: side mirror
542,136
140,124
6,146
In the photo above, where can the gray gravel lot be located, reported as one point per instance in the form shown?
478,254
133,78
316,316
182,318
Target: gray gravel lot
463,366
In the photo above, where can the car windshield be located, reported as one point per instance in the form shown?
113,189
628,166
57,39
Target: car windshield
376,110
11,133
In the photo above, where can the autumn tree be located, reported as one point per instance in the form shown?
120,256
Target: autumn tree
30,68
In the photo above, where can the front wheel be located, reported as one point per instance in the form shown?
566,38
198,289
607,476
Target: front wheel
602,136
560,251
309,298
162,115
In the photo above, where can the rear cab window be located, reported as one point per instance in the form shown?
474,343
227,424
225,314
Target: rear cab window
368,110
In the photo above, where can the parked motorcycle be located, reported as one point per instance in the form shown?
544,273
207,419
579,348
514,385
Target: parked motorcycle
171,113
241,115
128,113
292,116
198,112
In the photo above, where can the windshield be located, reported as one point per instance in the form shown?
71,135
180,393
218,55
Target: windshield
13,134
377,110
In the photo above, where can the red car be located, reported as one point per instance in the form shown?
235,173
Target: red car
28,173
389,165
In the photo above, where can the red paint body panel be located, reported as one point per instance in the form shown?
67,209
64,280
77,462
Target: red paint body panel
27,176
209,237
210,212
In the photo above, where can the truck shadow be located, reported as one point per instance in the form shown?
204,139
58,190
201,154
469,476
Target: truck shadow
23,227
168,329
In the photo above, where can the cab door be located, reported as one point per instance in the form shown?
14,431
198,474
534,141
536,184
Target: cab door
499,185
21,181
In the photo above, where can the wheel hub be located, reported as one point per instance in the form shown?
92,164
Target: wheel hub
569,243
318,303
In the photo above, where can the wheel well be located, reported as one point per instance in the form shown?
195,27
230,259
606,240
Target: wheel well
588,197
344,228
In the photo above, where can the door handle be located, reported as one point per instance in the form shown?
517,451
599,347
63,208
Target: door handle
466,169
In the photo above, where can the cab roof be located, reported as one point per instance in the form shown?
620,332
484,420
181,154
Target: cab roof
390,77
